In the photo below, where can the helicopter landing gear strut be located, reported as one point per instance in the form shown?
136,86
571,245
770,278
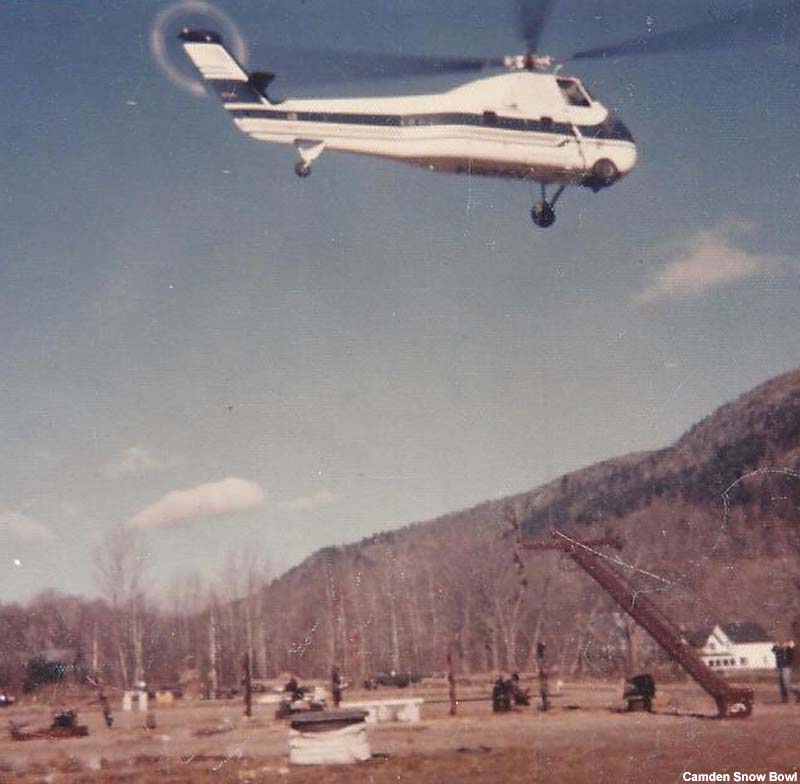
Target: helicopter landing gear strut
543,212
307,152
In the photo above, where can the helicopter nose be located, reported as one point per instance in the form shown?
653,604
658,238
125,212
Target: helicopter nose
625,158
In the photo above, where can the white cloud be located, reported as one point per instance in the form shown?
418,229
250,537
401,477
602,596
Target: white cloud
138,460
26,528
213,498
709,260
308,503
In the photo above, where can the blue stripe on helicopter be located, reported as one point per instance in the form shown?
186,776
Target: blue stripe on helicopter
487,120
612,128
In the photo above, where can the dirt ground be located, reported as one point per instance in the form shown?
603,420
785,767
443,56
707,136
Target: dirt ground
582,739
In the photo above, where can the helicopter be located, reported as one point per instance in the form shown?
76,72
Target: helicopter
528,122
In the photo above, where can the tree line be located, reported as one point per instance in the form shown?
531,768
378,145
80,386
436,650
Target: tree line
411,600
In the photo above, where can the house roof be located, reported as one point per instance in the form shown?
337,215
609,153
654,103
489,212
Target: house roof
745,631
697,638
739,632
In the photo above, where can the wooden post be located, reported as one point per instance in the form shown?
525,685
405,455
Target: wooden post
247,680
336,686
105,707
544,691
451,684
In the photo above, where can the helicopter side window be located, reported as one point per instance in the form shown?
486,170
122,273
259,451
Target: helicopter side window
573,93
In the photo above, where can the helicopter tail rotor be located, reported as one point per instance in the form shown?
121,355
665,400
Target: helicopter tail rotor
220,69
198,16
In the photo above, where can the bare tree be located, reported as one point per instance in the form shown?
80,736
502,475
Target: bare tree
120,567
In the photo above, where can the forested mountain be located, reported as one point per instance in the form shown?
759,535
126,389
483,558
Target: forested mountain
711,531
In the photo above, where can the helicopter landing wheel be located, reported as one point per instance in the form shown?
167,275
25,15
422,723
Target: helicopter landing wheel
543,214
302,169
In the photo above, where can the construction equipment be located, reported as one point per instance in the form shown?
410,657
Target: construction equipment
639,692
65,725
732,701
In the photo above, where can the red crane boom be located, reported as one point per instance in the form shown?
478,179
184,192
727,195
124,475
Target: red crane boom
731,701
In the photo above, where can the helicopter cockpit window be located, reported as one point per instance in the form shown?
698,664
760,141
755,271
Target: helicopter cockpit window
611,128
573,93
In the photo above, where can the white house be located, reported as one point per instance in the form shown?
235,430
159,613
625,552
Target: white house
737,646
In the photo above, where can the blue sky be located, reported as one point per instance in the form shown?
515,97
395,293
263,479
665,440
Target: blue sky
197,339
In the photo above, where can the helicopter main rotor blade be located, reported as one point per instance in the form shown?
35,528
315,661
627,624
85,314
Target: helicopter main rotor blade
738,29
532,16
324,66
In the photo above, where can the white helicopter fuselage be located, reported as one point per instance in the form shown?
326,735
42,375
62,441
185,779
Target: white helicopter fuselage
521,124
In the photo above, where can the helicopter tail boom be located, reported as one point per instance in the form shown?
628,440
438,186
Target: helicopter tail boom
219,67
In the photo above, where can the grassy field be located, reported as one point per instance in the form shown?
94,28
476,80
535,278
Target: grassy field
582,739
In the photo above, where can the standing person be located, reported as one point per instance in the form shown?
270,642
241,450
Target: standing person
501,694
296,691
106,708
787,671
784,654
336,687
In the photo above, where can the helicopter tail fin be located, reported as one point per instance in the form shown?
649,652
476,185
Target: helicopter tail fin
219,68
